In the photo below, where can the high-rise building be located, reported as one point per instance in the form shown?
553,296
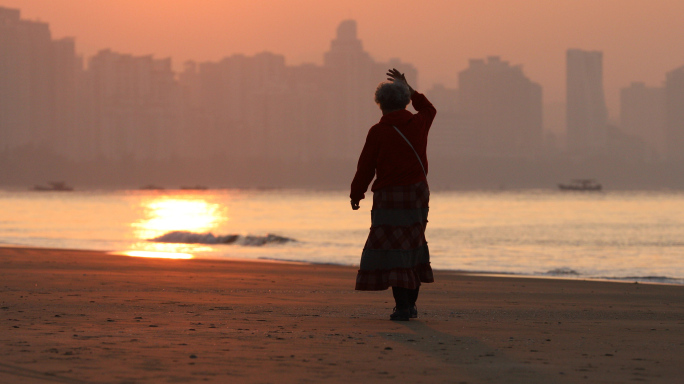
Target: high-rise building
68,134
308,107
642,115
13,87
352,78
353,73
244,95
500,108
674,112
26,81
136,106
586,106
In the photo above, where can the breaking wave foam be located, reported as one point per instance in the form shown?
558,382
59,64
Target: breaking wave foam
564,271
185,237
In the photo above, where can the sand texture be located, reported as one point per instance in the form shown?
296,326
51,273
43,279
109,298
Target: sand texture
88,317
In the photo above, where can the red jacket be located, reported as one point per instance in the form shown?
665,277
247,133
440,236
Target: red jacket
387,155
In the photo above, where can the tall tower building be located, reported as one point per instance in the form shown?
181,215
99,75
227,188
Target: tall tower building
14,87
674,114
586,106
26,81
642,114
352,76
501,109
68,135
352,79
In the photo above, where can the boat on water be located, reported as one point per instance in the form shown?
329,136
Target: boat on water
582,185
58,186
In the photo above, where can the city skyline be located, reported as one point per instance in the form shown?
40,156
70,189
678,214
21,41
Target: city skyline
259,113
114,105
638,44
613,110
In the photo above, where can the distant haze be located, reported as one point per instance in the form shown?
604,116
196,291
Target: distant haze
640,39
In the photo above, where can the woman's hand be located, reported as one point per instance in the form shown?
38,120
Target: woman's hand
396,76
355,204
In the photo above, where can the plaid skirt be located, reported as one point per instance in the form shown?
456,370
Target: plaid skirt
396,253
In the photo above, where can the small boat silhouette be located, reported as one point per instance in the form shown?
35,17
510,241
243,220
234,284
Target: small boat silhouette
58,186
582,185
194,188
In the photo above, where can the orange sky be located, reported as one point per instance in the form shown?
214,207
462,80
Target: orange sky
641,39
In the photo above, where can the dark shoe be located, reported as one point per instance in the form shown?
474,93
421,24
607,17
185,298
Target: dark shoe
414,312
400,314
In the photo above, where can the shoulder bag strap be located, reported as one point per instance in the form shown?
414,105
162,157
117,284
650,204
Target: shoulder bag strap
414,150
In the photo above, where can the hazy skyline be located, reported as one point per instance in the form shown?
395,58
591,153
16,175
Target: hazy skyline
640,40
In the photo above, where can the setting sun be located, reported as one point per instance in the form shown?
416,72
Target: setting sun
165,214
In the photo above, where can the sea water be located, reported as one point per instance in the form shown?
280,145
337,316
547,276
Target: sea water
633,236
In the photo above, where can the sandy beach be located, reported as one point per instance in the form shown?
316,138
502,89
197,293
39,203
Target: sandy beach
90,317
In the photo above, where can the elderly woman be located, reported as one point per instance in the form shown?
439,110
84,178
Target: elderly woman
396,253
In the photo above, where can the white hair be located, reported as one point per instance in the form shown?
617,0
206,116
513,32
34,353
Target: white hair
391,96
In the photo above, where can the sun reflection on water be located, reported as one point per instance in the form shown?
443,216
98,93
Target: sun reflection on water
164,214
158,255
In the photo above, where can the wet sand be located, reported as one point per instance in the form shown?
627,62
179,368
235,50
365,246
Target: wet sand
88,317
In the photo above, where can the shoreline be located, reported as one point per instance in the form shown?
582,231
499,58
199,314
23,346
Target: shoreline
79,317
629,280
343,189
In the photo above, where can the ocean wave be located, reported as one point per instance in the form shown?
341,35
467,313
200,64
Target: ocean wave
563,271
185,237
